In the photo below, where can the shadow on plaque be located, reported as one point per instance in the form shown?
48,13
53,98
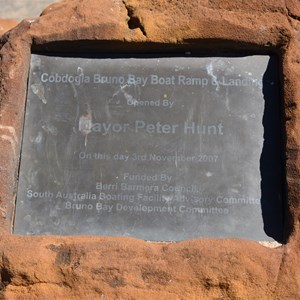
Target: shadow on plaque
271,166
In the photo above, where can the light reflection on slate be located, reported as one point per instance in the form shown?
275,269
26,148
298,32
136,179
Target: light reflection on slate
164,149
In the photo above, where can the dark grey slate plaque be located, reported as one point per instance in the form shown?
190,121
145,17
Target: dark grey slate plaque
161,149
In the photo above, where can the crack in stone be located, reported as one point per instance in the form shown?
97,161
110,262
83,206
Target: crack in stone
134,21
290,14
293,16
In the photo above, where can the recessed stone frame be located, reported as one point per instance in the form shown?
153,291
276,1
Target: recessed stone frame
98,47
19,69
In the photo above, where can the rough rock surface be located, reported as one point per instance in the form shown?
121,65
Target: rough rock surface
123,268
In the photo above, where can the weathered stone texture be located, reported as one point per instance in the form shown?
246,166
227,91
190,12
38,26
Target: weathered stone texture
7,24
123,268
119,268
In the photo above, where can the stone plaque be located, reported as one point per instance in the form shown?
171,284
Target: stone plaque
158,148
